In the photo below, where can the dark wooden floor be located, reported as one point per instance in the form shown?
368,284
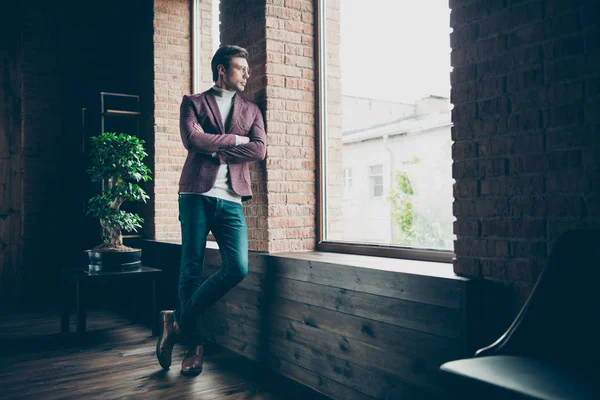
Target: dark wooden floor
118,362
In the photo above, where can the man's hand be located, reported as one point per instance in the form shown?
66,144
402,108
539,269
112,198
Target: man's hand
198,128
238,140
242,140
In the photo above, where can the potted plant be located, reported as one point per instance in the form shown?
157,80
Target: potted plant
116,161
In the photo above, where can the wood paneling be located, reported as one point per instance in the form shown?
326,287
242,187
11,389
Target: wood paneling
316,380
355,329
291,335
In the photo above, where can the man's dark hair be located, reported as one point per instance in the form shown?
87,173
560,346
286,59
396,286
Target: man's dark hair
224,55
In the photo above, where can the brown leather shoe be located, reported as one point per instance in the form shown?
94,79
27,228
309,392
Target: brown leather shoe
192,362
169,335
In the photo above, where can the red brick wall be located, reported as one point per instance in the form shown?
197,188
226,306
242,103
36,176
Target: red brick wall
526,152
281,216
245,26
290,118
172,79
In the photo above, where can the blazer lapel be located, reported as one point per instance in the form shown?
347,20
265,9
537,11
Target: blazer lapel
236,111
214,108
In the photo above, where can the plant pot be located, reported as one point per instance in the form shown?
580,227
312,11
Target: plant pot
114,261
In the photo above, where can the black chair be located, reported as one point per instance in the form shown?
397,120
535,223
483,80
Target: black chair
552,349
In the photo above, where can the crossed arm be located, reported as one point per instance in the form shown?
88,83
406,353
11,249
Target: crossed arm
199,141
232,149
254,149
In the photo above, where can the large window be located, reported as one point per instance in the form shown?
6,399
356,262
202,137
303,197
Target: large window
384,114
206,40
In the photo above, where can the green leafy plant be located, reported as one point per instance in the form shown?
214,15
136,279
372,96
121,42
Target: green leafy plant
423,226
116,160
402,208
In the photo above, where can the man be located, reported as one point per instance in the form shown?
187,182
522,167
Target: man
222,132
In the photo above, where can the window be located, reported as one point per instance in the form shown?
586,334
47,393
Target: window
205,41
347,182
384,114
376,180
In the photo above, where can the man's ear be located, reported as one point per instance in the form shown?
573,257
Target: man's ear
221,69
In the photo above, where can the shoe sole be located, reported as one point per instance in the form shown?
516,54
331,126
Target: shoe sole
162,329
192,372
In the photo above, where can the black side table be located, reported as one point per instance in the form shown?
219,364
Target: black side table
82,279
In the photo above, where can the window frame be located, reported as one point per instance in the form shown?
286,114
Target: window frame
383,250
196,45
347,179
373,185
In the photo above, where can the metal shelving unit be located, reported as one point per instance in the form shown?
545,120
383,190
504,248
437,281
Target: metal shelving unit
116,111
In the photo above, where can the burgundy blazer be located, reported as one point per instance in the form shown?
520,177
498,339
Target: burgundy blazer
200,169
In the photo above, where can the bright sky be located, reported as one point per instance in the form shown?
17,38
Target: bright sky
395,49
391,49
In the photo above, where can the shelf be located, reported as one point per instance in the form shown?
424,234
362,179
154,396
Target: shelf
120,112
132,236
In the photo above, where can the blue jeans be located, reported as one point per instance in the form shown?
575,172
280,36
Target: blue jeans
198,215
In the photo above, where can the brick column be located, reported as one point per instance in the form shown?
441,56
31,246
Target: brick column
280,37
526,153
243,24
172,79
291,163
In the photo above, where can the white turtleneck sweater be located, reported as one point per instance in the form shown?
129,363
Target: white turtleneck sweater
222,187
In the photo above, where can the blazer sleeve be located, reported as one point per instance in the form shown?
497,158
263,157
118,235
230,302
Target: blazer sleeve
256,150
199,142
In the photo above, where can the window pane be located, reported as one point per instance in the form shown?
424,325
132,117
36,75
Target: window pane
376,186
376,169
376,180
216,25
388,121
347,182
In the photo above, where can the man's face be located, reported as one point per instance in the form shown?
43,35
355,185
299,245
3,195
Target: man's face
236,76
